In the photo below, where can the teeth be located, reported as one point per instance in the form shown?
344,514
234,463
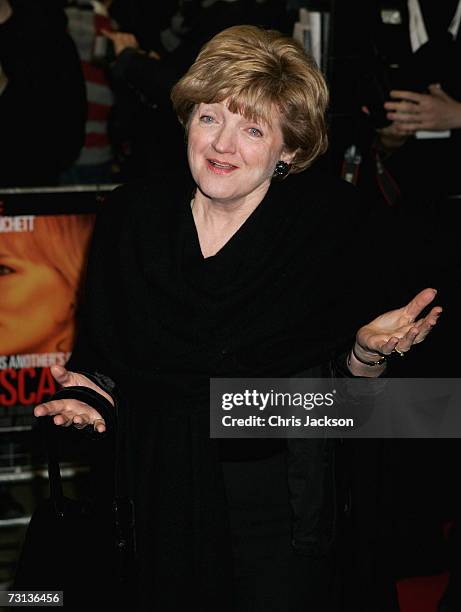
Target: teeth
221,165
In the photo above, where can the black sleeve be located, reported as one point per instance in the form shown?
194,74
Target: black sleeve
90,354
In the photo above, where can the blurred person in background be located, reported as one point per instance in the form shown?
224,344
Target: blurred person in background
86,20
411,97
414,49
42,94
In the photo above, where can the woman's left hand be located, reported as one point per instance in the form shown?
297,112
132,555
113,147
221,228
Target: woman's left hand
397,330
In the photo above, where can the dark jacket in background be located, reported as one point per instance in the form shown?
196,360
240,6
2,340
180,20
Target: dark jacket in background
43,108
422,167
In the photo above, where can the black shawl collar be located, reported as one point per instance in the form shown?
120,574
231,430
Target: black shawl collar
270,298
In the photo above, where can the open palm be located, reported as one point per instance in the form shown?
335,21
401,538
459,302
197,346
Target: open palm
67,412
398,330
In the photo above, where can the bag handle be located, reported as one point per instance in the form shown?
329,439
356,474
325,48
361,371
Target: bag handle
122,505
52,432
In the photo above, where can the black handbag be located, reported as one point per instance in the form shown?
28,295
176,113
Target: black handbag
85,548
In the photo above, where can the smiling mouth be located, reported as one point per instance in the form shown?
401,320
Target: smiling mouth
220,167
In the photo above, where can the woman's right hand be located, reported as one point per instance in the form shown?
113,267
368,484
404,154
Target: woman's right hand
67,412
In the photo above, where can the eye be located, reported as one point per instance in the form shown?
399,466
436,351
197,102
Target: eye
5,270
206,119
255,132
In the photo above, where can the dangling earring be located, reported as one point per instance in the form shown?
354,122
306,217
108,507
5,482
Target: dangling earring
281,169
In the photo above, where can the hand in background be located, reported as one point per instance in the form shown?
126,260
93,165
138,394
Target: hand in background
412,111
121,40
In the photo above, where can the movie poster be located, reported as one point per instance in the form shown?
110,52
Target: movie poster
44,241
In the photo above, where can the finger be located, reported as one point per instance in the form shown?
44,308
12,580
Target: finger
61,375
407,95
50,408
68,407
419,302
437,91
417,113
419,324
406,342
99,425
404,117
404,108
418,331
431,318
434,314
389,346
425,331
427,324
80,421
62,419
412,127
409,107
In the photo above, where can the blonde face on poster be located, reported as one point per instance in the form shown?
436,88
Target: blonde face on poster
39,279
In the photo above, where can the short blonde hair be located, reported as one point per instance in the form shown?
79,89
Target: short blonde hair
259,70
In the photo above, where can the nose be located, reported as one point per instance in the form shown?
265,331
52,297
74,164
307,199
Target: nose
225,139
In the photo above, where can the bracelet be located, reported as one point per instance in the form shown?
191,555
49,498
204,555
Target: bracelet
380,361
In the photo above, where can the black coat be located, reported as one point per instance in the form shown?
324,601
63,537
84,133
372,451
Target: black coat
277,300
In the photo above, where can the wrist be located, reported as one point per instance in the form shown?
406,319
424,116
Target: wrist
365,357
364,363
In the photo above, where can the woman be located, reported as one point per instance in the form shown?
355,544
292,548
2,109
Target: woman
39,281
227,273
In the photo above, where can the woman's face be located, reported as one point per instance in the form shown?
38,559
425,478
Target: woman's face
36,306
231,158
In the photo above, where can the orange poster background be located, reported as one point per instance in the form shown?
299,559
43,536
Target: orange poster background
41,264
